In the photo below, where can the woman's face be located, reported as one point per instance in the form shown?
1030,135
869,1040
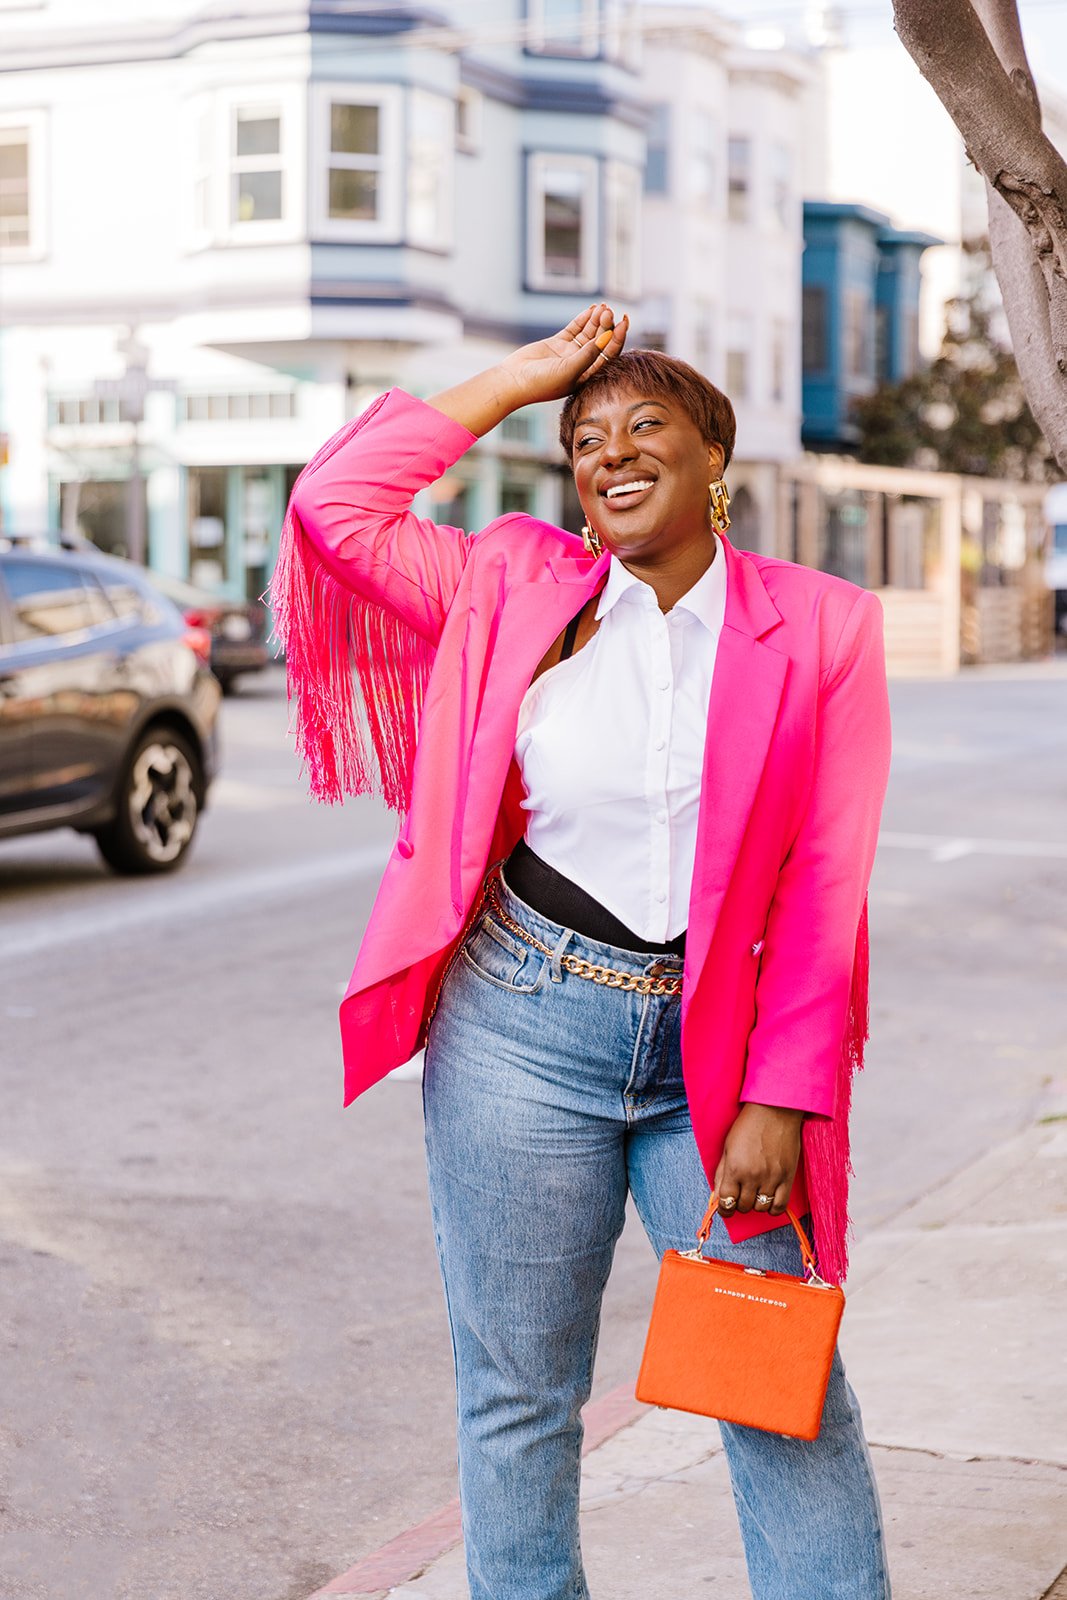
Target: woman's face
642,471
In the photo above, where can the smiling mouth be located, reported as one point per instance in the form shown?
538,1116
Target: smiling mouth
623,495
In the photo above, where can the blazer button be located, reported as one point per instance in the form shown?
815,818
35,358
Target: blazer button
405,848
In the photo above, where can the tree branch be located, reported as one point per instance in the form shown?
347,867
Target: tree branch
983,79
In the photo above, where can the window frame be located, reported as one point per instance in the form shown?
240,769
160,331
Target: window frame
441,241
618,178
288,99
35,122
469,139
740,344
388,226
658,171
539,43
537,279
738,210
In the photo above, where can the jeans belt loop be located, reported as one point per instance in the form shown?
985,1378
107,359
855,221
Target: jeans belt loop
555,968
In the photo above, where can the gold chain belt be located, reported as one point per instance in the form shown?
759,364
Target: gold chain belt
632,982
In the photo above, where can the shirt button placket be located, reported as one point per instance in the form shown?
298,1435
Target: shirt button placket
659,853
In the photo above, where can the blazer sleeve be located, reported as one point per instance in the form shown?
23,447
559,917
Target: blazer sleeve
353,504
804,987
360,593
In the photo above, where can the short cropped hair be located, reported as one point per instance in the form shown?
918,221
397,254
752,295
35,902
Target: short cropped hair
650,372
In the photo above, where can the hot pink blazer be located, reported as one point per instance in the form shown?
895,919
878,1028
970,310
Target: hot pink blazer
441,632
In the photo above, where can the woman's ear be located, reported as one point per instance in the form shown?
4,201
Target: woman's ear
716,462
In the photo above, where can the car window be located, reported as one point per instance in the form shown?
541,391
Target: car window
126,600
48,600
102,611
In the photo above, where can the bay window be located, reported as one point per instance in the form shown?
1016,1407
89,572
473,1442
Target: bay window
622,193
561,222
356,159
22,176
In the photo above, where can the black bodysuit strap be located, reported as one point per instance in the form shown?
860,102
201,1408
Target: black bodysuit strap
570,636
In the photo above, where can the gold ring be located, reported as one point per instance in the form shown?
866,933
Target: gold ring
580,341
765,1199
727,1203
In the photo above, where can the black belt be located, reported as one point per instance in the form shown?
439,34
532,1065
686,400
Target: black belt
557,898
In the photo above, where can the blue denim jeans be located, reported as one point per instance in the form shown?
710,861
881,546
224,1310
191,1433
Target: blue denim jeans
548,1099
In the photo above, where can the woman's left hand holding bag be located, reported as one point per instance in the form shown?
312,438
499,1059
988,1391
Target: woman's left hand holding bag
759,1160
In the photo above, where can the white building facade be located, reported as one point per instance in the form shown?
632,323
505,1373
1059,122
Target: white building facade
238,222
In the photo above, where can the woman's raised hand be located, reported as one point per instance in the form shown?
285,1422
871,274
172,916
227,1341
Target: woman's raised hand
550,368
546,370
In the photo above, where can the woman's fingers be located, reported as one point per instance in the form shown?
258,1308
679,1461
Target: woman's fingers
609,339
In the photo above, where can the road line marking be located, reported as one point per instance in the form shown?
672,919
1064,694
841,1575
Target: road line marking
946,847
182,900
410,1553
953,850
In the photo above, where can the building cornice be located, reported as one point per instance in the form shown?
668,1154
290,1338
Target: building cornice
109,45
570,96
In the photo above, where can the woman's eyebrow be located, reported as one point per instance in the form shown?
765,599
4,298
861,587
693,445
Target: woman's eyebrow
592,422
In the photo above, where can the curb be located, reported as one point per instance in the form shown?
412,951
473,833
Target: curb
412,1551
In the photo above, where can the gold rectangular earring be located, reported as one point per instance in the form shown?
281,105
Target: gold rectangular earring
719,496
591,540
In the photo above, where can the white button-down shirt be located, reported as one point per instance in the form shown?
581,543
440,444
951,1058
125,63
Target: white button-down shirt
610,744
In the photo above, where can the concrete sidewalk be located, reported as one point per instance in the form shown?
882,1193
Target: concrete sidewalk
954,1339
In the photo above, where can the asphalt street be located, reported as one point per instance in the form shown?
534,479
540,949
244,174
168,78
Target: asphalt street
226,1367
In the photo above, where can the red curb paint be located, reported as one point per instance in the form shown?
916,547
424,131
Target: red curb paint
411,1552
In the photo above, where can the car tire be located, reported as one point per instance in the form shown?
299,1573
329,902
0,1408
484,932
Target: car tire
159,803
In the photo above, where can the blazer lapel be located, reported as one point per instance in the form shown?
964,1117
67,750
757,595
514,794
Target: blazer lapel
746,692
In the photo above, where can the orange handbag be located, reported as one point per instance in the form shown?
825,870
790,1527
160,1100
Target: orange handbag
739,1344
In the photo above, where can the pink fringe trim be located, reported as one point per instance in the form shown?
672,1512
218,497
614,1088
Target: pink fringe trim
356,674
827,1163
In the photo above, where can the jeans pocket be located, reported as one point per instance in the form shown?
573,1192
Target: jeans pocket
499,957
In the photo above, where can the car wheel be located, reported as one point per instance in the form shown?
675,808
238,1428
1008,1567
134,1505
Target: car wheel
159,806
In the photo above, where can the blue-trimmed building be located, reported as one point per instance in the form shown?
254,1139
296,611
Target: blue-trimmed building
860,321
304,204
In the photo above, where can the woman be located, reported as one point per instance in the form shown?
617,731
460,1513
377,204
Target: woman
640,775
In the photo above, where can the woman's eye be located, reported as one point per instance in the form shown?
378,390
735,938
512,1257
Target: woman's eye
642,421
587,439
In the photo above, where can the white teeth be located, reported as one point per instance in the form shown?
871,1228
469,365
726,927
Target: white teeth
628,488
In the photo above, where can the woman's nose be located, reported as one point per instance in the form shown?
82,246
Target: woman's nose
619,450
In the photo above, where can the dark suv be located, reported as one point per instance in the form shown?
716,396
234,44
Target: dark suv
107,708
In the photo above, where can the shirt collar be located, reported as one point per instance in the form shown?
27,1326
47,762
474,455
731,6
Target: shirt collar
706,600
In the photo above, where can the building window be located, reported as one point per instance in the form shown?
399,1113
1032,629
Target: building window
622,32
655,322
702,163
704,337
858,342
257,406
429,167
256,176
561,215
781,184
815,351
739,177
657,151
739,356
563,27
622,185
779,361
469,108
14,188
22,186
356,159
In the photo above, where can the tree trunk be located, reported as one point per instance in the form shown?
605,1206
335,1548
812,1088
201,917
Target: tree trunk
971,53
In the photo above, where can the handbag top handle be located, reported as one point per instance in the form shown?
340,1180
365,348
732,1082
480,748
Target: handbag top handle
805,1243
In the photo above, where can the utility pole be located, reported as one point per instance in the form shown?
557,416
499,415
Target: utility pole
131,391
